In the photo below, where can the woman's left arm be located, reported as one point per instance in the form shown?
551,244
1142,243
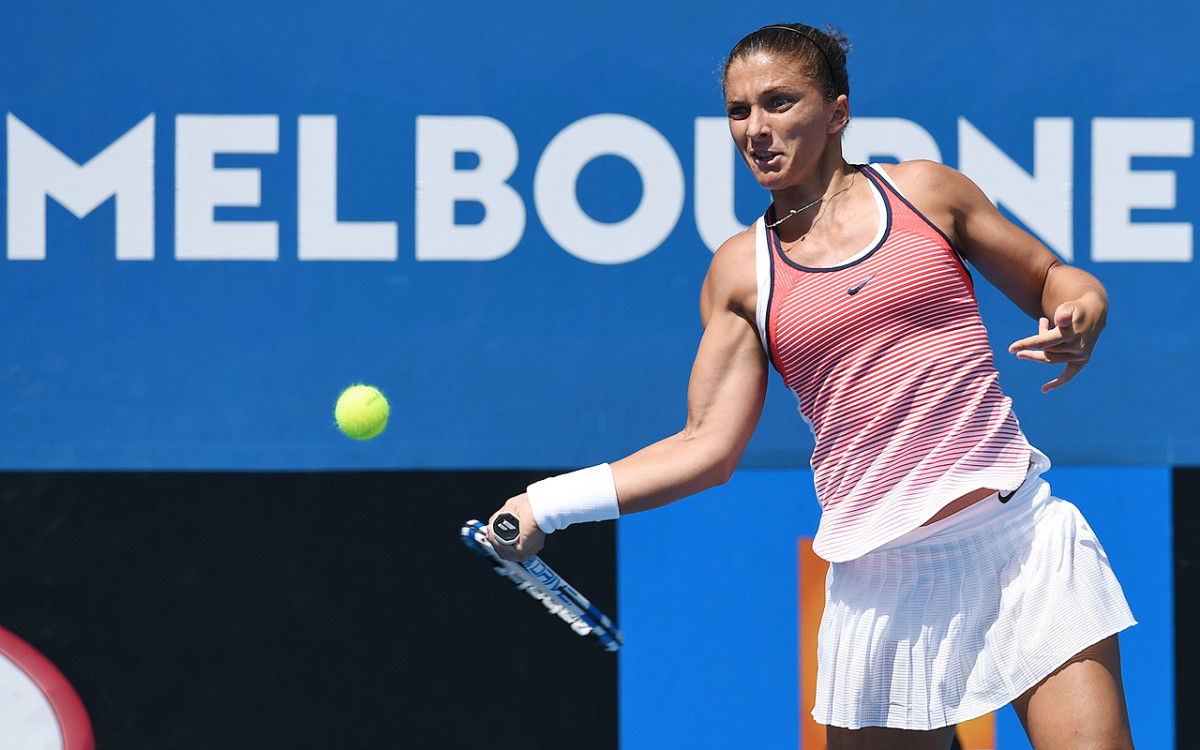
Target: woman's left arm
1070,304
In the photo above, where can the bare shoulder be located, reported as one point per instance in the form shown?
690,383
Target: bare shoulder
735,252
731,283
944,195
931,180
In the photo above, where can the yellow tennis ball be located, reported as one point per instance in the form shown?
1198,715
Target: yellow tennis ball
361,412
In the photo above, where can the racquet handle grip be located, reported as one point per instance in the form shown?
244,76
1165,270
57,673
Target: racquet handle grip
507,529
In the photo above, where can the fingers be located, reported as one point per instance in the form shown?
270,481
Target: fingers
1064,377
1045,336
1067,315
1065,341
529,541
1055,354
1048,337
1064,334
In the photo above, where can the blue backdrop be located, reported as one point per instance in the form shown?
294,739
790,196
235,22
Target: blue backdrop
220,214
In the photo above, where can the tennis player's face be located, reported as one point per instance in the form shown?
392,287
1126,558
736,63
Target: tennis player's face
778,118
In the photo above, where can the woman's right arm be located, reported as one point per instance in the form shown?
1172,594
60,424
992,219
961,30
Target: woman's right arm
725,397
725,393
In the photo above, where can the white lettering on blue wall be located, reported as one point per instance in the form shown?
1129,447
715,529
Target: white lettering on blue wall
1045,199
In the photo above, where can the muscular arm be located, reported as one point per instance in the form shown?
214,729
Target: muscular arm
1070,304
725,397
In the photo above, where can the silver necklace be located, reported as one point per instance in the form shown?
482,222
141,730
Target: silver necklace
792,212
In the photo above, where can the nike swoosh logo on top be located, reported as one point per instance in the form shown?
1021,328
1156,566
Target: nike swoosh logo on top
1004,497
858,287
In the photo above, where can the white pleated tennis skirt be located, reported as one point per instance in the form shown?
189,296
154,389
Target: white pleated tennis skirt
961,617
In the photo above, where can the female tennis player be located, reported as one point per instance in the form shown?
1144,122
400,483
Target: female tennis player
958,583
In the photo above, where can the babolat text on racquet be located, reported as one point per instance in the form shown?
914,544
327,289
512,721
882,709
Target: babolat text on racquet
535,578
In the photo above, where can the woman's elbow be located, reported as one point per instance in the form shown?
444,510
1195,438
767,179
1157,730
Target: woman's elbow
721,469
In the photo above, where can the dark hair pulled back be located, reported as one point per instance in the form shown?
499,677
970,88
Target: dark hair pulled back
822,53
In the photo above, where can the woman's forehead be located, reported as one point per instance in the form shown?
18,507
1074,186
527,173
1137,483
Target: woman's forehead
762,71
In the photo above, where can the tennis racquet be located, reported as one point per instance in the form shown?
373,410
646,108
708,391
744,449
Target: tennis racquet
535,578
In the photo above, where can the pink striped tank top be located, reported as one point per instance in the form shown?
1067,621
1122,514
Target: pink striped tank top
891,368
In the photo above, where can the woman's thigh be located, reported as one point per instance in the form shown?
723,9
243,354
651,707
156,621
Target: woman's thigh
1081,705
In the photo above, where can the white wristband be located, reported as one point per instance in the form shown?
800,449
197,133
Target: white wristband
585,495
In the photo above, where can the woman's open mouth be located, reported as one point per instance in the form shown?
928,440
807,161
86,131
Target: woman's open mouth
765,159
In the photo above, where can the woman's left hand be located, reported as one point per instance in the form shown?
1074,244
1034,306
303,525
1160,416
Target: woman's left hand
1069,340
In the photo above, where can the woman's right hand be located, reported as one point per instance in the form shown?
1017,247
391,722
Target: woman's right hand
531,538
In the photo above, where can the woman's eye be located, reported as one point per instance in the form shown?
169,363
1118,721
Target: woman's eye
736,113
779,102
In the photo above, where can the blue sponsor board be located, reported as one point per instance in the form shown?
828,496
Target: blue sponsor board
217,215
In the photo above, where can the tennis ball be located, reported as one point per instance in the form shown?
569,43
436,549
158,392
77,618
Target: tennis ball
361,412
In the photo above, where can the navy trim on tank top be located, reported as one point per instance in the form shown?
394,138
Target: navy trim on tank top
888,189
777,248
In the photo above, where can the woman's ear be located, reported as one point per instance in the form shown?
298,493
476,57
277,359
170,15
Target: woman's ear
839,116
